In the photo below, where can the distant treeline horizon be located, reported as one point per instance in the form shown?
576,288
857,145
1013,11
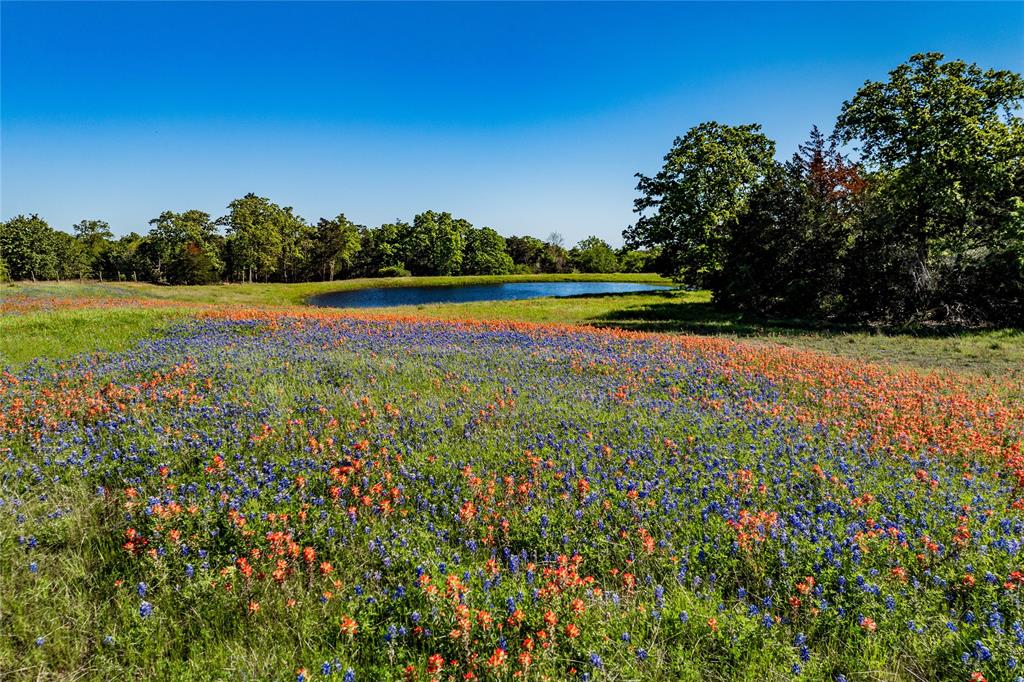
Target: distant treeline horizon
265,242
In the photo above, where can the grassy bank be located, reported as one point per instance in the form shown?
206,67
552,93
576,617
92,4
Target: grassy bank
62,333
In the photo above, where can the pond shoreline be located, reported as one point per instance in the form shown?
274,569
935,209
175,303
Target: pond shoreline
446,293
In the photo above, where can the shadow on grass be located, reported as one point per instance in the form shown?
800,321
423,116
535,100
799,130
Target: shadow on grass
679,312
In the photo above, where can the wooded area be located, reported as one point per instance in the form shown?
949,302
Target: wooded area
268,243
911,211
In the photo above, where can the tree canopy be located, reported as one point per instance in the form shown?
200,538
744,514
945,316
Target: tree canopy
267,242
927,224
685,209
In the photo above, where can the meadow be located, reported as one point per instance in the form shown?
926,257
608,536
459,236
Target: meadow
61,330
215,489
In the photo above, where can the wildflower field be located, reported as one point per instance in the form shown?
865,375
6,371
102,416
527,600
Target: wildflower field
294,495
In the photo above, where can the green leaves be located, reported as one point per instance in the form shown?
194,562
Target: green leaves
705,181
947,134
948,145
334,246
593,254
28,246
184,248
485,253
929,225
255,228
434,243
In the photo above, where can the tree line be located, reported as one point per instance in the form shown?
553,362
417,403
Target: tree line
912,210
260,241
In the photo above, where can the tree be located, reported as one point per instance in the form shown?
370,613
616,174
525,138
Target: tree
536,255
296,244
95,237
335,244
27,245
183,247
70,257
634,260
686,208
786,251
946,138
485,253
380,249
593,254
558,257
527,251
254,229
434,243
193,265
121,261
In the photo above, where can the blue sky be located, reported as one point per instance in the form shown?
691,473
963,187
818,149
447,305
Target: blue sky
530,118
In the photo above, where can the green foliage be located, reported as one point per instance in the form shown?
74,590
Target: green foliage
557,255
948,147
254,228
269,243
335,245
593,254
928,226
380,249
434,244
296,245
485,253
785,252
121,260
530,254
638,260
28,247
95,237
71,256
685,209
193,266
182,248
393,271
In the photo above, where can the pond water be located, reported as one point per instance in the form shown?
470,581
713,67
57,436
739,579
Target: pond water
392,296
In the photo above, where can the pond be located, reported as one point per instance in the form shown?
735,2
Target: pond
507,291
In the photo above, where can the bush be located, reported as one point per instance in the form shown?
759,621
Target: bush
393,271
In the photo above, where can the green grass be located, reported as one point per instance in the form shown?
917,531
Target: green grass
680,437
63,333
986,352
198,632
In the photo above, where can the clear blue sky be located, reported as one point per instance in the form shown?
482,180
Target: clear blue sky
530,118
